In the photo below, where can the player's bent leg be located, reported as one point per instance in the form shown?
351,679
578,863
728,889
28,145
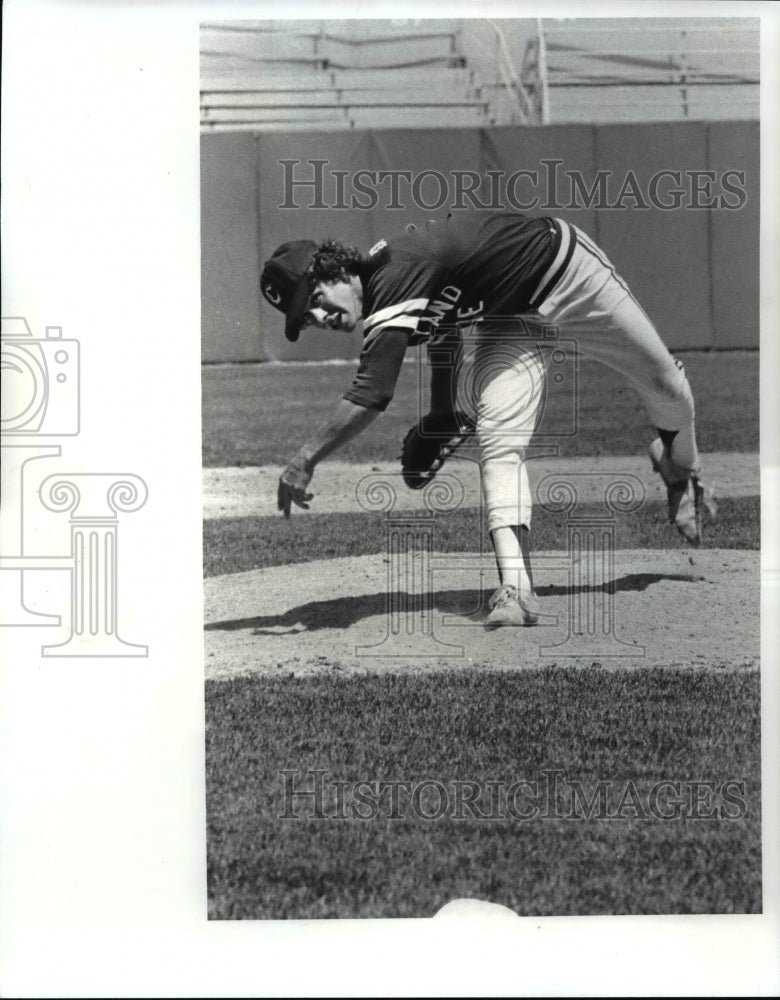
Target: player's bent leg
631,345
618,333
593,305
668,399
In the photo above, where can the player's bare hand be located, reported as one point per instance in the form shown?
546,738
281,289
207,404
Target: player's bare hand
292,488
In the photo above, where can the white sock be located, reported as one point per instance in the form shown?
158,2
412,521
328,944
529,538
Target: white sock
512,569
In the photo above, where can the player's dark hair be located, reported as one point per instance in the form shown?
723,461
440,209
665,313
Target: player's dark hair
334,262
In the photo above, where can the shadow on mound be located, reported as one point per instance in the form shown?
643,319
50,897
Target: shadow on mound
341,612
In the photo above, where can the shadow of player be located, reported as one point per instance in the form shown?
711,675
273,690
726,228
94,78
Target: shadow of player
341,612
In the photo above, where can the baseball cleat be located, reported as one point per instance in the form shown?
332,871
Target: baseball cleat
686,495
507,607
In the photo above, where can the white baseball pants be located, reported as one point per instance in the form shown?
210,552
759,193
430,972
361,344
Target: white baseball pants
504,378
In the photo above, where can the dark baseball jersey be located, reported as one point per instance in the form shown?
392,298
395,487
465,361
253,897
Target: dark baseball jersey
448,275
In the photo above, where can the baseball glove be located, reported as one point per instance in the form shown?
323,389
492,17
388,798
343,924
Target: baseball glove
429,444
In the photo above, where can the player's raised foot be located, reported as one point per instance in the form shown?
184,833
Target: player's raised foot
508,607
687,497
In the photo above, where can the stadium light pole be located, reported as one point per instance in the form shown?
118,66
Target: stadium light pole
542,71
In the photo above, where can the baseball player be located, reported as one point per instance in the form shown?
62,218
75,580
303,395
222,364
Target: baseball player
489,272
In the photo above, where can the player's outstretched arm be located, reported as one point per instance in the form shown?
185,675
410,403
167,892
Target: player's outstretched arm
346,422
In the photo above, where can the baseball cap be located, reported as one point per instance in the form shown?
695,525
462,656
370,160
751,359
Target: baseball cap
284,282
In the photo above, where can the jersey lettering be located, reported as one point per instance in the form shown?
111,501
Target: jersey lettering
441,278
441,306
466,315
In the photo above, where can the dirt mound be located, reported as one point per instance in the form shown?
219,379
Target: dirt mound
672,608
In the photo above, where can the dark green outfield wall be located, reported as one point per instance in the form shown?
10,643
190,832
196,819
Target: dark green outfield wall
694,268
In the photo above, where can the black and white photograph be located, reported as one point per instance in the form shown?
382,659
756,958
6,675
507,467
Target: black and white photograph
480,315
388,565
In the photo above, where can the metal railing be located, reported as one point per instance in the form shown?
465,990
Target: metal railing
314,70
686,63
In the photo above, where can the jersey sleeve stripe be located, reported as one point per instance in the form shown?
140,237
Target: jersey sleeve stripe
402,323
566,243
391,312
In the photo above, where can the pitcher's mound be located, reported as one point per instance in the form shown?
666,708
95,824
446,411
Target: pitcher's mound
676,608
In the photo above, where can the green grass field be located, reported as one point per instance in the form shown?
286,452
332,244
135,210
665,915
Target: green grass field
260,414
233,545
627,729
630,728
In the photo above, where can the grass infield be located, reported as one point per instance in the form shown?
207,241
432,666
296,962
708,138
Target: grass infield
641,849
629,729
232,545
261,414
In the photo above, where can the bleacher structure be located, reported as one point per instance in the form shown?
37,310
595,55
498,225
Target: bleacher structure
353,74
348,74
652,69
